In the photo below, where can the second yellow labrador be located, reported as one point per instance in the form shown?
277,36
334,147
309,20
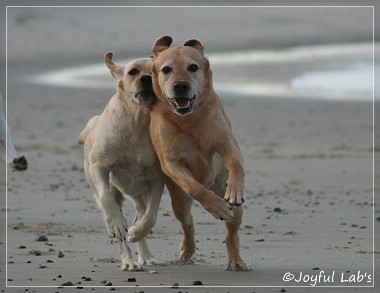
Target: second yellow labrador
119,159
193,139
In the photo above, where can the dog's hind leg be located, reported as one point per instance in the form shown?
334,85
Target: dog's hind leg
235,262
181,203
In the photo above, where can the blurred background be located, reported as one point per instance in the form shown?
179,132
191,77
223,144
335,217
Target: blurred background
294,51
255,52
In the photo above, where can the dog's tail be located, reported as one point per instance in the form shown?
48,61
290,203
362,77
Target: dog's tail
83,135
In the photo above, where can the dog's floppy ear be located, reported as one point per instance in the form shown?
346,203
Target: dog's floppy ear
161,45
117,71
196,44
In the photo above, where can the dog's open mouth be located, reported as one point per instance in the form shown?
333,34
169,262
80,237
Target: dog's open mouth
182,105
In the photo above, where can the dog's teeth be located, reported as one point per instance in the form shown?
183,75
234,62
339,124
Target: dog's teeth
173,102
192,100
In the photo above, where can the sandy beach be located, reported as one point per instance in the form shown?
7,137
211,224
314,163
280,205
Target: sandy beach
308,219
309,201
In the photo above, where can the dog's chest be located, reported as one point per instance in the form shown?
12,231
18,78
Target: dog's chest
199,155
134,171
138,155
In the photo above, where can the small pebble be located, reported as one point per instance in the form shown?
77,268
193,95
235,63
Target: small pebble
22,247
175,285
67,284
277,210
197,283
315,269
131,279
87,279
60,254
283,290
42,238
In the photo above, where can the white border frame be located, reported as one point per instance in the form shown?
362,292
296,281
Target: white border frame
203,286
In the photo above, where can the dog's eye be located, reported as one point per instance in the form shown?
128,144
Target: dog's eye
133,71
193,68
166,70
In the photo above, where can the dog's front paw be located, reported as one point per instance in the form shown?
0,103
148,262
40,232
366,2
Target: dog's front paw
134,234
137,232
117,226
234,194
237,265
217,207
132,266
149,261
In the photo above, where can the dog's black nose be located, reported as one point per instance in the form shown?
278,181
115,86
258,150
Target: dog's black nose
181,87
146,79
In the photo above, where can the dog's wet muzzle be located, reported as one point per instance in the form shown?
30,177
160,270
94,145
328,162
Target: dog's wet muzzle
146,96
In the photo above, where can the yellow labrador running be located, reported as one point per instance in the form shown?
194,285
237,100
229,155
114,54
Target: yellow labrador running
193,139
120,159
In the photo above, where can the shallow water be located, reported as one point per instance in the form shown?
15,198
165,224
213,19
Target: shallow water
335,71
